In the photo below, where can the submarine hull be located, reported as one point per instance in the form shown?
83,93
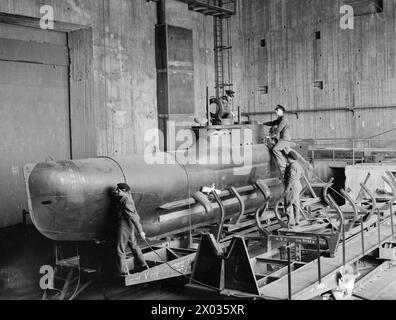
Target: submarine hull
73,200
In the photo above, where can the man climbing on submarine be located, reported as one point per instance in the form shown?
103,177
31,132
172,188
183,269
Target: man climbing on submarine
281,128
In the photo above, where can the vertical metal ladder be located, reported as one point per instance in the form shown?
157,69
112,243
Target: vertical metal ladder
222,53
222,11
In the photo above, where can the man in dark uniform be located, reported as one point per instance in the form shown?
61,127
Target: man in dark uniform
227,101
128,221
283,130
293,188
230,94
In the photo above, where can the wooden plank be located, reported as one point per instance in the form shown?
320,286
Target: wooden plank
34,52
22,33
34,22
171,269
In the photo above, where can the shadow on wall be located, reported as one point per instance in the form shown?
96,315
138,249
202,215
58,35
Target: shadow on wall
338,184
324,170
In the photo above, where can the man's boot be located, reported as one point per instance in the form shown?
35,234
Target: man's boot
290,221
283,173
298,220
143,268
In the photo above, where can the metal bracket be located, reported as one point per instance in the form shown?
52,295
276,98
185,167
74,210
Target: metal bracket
203,200
230,272
236,194
361,191
222,216
278,215
311,190
392,184
355,210
326,190
372,197
334,241
263,188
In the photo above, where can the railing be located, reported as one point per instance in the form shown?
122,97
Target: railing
212,7
391,181
359,147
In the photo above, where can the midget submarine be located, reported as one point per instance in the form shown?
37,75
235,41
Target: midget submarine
72,200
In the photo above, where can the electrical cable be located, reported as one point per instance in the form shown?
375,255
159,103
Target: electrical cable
79,278
78,284
188,192
116,162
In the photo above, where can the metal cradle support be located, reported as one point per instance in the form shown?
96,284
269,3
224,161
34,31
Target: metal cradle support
223,271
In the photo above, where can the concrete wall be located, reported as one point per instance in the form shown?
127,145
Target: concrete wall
113,71
123,42
357,66
124,74
355,175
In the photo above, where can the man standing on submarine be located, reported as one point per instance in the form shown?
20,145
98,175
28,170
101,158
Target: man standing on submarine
128,224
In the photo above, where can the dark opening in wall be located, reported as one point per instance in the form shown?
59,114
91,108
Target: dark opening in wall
264,89
317,35
364,7
263,43
318,85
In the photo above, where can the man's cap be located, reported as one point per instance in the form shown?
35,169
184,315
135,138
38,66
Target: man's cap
123,187
293,155
280,107
230,92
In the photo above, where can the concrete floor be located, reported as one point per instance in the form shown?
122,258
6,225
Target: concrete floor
111,289
24,250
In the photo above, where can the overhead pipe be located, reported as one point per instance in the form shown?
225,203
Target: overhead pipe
296,112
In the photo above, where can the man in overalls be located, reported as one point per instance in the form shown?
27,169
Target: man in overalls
128,220
293,188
